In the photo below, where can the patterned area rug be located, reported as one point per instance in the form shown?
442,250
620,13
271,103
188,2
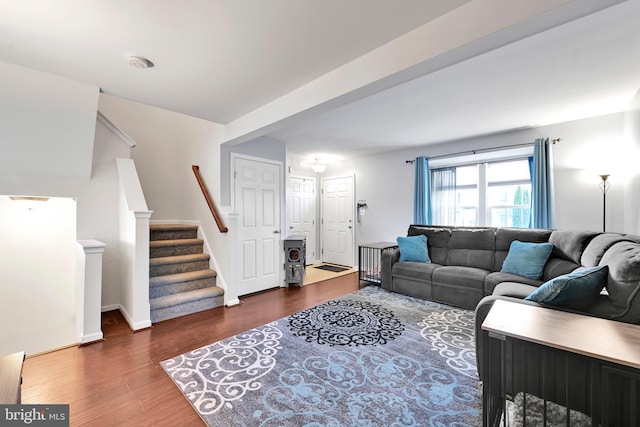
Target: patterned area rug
371,358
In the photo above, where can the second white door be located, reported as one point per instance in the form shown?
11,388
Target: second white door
337,220
302,212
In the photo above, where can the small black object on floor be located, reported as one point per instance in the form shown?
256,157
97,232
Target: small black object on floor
333,268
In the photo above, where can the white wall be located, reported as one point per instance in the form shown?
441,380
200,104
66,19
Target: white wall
386,182
590,147
45,122
47,134
98,216
263,147
37,275
47,141
167,145
134,246
632,142
96,195
383,182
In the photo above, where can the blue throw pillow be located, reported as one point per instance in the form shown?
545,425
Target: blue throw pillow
576,290
413,248
527,259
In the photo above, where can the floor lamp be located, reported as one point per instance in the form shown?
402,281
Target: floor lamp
604,187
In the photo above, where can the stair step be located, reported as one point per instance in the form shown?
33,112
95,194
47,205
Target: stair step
181,277
182,282
165,248
172,231
171,306
178,264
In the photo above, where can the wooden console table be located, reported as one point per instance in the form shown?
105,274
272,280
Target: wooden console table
604,354
11,378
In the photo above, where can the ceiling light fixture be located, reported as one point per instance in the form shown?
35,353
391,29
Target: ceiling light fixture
318,167
138,61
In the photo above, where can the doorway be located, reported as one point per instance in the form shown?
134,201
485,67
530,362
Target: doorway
257,199
337,220
301,209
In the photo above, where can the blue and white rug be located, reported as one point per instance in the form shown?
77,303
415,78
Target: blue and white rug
371,358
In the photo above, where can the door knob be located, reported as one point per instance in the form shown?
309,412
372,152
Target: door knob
276,231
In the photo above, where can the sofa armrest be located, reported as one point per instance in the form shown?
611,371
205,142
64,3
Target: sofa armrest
389,257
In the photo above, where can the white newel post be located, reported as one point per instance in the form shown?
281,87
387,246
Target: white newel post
234,265
89,290
134,246
141,311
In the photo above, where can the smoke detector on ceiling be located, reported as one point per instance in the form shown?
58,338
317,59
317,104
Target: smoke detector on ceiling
138,61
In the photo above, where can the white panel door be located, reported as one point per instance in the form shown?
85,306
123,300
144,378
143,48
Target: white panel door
301,207
257,198
337,221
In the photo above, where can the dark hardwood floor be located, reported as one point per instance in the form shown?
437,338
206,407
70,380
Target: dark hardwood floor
119,381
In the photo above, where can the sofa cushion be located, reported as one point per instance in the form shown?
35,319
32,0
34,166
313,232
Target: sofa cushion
570,244
514,289
458,286
623,286
472,247
438,241
504,237
596,248
414,270
576,290
557,267
413,248
493,280
413,279
465,277
527,259
633,237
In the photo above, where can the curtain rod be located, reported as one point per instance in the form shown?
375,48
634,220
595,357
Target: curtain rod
482,150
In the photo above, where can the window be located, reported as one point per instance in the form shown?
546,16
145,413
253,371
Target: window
508,194
496,194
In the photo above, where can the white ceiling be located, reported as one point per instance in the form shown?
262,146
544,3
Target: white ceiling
222,59
586,68
215,59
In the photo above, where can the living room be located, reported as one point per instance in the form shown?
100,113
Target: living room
58,150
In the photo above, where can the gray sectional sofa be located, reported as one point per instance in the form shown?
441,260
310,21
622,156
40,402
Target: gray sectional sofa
466,263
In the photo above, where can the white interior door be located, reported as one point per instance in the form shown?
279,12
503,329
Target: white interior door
337,220
257,192
301,207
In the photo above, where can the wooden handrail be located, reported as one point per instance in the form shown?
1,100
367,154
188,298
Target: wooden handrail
212,206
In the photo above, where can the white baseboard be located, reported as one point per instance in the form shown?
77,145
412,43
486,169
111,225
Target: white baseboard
231,302
96,336
110,307
134,326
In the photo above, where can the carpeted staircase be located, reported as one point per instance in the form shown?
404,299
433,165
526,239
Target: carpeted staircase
180,280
